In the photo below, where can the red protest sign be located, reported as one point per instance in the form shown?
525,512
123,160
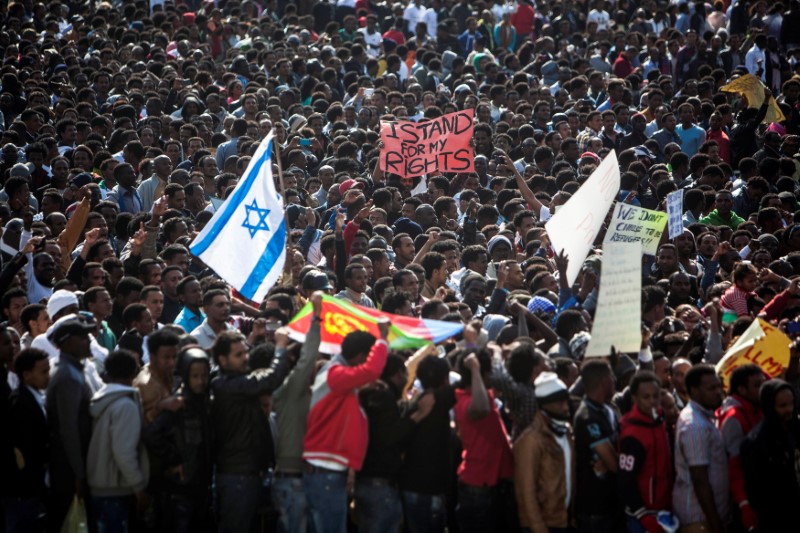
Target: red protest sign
416,148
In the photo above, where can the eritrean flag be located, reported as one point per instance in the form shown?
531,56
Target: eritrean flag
340,317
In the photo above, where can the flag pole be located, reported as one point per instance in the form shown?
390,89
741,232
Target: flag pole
277,146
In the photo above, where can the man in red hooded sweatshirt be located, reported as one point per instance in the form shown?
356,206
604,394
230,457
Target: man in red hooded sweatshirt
738,415
337,432
645,457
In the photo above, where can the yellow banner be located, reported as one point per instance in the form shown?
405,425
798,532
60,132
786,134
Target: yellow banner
762,344
752,89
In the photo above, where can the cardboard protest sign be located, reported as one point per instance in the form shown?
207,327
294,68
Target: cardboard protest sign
751,88
762,344
618,319
636,224
576,224
675,213
415,148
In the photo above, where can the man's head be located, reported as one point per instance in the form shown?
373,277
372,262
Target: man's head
14,301
356,277
121,367
723,202
98,301
217,305
163,346
777,400
552,396
746,381
32,367
44,268
645,390
35,319
704,387
356,347
435,266
71,336
153,298
62,303
137,317
230,352
598,380
526,362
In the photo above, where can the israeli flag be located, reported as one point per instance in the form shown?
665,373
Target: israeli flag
245,240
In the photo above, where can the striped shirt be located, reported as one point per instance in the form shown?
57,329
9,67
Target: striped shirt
735,299
698,442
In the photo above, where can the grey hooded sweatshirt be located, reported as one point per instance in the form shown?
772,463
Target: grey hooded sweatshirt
117,464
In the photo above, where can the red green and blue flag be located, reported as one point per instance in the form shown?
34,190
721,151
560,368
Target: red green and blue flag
340,317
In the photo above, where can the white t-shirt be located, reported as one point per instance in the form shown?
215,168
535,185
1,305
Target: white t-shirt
600,17
373,41
413,15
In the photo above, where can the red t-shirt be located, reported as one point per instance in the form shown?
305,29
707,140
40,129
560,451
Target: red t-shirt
396,36
486,457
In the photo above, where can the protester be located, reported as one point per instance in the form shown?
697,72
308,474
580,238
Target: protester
117,466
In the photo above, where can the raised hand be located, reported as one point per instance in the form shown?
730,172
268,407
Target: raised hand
91,237
383,326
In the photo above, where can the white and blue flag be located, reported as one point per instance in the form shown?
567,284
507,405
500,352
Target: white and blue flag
245,240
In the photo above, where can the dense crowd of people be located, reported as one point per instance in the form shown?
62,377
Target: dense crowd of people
136,383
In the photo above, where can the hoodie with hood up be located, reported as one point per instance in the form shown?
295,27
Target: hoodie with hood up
771,463
118,463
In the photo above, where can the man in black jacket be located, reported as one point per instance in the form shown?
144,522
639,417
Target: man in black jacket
67,401
769,455
179,443
245,450
29,439
390,427
743,134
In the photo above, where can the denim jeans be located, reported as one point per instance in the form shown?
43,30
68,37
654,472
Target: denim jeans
476,509
377,506
424,513
23,515
238,497
326,496
112,513
290,502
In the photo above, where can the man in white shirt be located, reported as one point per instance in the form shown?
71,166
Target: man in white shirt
599,16
755,58
414,14
372,37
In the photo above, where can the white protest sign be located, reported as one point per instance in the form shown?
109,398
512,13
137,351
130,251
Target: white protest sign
618,318
675,213
636,224
422,186
576,224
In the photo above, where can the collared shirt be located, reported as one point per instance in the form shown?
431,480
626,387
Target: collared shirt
128,200
584,137
357,298
205,335
698,442
688,219
188,320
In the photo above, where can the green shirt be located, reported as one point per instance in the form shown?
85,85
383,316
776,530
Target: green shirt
715,219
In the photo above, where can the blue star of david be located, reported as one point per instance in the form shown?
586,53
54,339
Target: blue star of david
262,219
